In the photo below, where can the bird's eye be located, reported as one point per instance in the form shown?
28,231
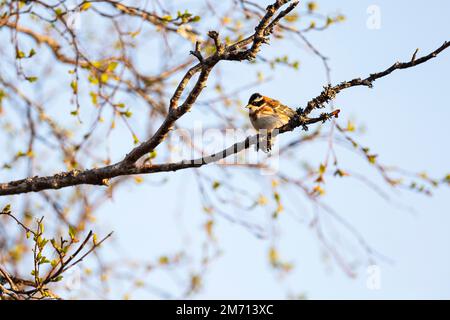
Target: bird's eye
255,98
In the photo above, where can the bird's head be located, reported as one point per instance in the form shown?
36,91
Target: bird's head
255,100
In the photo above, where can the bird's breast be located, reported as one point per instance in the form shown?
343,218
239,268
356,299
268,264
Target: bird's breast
268,122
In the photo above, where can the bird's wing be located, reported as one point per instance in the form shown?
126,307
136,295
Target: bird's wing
281,109
286,110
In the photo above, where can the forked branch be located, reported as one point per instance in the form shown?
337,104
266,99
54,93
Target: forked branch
245,49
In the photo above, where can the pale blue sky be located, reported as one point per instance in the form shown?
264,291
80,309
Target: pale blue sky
406,115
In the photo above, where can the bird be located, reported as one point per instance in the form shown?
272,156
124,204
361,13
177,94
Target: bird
267,114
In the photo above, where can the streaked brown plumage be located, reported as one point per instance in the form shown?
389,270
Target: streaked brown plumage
267,114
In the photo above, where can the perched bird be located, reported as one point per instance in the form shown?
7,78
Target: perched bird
267,114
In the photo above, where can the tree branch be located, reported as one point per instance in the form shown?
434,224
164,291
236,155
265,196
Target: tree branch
128,166
223,52
330,92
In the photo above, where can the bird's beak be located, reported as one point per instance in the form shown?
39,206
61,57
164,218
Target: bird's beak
248,106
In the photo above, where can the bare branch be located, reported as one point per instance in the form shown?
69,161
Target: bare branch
100,176
264,29
330,92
